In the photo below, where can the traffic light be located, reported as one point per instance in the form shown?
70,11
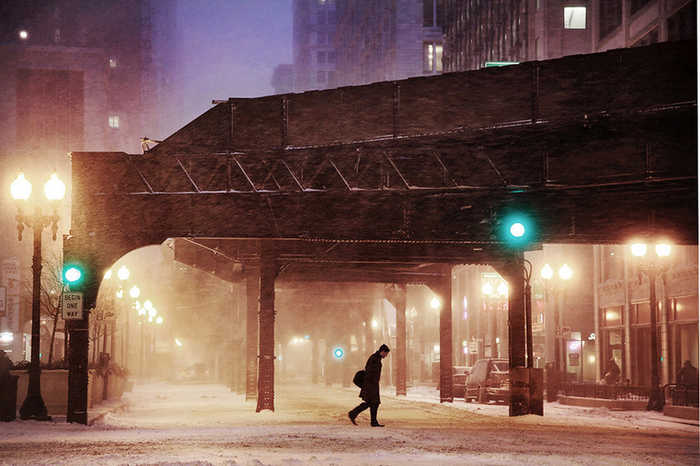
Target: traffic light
80,273
73,275
516,229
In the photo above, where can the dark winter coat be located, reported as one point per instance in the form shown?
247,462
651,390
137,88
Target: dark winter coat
370,390
5,366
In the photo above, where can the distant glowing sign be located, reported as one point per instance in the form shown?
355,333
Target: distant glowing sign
338,353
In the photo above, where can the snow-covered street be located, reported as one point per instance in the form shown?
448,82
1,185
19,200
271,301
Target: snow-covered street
206,424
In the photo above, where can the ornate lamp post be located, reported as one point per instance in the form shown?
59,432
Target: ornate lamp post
565,273
21,189
653,268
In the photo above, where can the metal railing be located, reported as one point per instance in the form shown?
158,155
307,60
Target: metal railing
682,396
608,392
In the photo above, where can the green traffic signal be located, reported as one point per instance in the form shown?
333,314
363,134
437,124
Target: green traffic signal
517,230
72,274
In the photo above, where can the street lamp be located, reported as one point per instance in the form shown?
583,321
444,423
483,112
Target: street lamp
493,297
652,268
564,273
54,190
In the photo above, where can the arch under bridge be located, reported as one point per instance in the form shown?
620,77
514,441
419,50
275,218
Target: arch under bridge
395,182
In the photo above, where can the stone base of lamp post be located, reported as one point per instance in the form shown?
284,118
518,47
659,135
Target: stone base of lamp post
33,406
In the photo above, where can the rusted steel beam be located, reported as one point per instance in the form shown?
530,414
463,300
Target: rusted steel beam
252,310
266,372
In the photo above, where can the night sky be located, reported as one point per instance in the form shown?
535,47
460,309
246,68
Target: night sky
230,48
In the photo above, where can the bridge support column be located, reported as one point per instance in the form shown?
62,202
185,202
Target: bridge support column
512,271
251,347
266,372
443,288
396,294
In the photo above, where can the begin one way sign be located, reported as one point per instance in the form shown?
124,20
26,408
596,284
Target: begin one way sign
72,305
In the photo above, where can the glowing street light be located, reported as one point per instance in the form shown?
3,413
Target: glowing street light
435,303
33,406
503,289
565,272
134,292
653,268
123,273
547,272
108,274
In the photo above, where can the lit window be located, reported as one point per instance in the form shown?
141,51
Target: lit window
575,17
432,58
428,58
113,62
114,121
23,34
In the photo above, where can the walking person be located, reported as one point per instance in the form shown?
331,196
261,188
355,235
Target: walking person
370,387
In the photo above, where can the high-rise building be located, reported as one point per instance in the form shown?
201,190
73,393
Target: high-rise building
76,76
385,40
353,42
482,31
313,44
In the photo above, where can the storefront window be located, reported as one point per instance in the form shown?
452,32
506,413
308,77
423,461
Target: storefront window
685,308
612,316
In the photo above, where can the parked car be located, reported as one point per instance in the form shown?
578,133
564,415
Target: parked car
489,380
459,380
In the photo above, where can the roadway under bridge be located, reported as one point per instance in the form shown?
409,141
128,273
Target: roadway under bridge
396,182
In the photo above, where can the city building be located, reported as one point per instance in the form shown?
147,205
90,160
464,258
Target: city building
313,45
353,42
386,40
75,76
283,79
481,32
623,317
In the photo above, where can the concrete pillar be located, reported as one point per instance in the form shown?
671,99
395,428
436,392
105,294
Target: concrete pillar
252,305
400,305
596,310
512,271
443,288
266,361
626,319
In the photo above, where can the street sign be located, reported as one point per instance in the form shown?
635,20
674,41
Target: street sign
72,306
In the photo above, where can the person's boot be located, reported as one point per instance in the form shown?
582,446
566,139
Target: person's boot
352,416
376,424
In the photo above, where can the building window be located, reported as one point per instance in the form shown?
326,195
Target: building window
331,57
610,16
321,76
575,17
321,57
57,35
432,57
612,316
331,79
114,121
433,13
636,5
113,62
